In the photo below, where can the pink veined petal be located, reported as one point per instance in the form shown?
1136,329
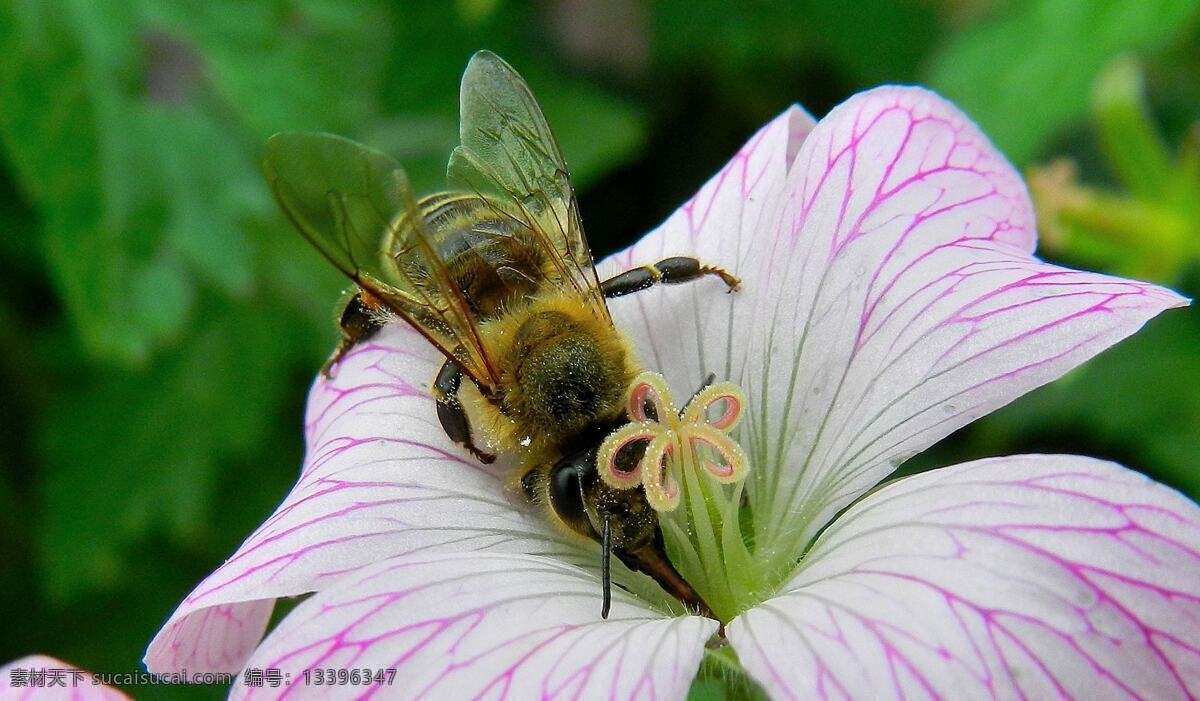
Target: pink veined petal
890,297
909,303
687,331
17,682
1034,577
481,626
381,478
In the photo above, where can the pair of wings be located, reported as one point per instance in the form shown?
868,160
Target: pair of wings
356,206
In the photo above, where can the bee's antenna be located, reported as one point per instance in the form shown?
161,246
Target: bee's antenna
605,549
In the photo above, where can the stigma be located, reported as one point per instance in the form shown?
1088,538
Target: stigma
660,443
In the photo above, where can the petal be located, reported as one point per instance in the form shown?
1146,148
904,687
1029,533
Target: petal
724,224
483,625
45,678
1038,576
381,478
900,300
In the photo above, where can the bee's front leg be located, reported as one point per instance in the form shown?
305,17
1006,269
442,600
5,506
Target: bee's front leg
450,410
667,271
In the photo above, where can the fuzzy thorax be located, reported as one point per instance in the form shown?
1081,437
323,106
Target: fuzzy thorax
562,372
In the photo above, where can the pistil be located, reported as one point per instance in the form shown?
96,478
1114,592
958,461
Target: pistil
692,472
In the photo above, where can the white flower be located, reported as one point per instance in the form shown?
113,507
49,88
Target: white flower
890,297
48,679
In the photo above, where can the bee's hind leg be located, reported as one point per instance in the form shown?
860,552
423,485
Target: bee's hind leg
450,410
667,271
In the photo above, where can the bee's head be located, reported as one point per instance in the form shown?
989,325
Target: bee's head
585,504
583,501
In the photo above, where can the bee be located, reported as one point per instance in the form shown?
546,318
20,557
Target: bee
497,275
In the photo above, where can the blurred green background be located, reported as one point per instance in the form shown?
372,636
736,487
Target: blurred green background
160,323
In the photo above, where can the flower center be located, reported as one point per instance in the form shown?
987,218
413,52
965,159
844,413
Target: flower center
687,459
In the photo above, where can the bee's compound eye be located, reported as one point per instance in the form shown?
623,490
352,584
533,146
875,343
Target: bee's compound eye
568,482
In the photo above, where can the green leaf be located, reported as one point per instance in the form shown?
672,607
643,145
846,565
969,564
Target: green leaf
53,127
1028,71
1127,131
305,285
128,454
208,186
161,296
309,64
19,246
135,130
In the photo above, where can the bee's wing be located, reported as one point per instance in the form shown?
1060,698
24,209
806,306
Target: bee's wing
346,198
506,149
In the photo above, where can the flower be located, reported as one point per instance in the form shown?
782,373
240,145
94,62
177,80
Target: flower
46,678
890,297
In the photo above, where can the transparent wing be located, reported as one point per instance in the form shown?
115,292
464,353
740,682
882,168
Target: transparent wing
507,150
347,200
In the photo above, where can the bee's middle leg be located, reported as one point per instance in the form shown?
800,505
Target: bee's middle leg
667,271
450,410
358,321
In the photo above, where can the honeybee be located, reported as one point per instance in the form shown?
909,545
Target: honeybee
497,275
